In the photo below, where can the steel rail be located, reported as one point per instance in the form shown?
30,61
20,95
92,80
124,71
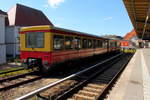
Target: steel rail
85,82
113,80
5,72
33,93
16,76
20,83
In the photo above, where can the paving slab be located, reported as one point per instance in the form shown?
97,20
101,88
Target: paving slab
134,83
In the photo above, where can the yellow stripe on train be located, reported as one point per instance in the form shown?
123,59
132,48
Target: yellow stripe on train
35,28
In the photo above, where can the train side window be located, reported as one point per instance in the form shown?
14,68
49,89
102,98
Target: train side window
58,42
105,44
94,43
68,42
85,43
89,43
100,43
77,43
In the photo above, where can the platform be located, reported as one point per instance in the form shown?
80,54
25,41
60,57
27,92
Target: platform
134,83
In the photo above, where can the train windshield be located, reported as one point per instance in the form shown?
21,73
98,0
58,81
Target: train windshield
35,40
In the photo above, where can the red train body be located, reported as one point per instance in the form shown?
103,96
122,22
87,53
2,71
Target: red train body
56,45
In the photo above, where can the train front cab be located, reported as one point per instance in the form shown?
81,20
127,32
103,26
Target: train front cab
35,46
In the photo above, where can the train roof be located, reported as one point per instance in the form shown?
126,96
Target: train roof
58,29
77,32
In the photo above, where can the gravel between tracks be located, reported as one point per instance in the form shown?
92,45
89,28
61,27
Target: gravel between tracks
24,89
9,65
54,91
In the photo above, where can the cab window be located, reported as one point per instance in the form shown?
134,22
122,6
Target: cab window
35,40
58,42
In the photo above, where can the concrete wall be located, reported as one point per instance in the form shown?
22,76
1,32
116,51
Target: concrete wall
2,29
12,41
2,54
2,40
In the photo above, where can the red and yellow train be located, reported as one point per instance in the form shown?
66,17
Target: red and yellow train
46,46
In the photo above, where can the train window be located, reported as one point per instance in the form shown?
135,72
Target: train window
94,43
85,43
77,43
68,42
40,40
35,40
99,43
105,44
89,43
58,42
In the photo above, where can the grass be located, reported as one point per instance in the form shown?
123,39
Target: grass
16,72
10,69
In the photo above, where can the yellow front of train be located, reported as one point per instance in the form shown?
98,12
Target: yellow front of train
36,46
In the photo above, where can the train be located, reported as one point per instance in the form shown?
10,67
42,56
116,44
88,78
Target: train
47,46
127,46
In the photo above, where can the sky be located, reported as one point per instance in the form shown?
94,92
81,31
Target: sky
98,17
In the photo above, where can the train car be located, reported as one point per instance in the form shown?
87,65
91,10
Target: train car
127,46
46,46
114,45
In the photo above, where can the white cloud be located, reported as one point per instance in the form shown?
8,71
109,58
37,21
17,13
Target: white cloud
108,18
55,3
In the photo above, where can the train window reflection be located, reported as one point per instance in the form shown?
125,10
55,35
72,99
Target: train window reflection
85,43
58,42
89,43
68,42
77,43
35,40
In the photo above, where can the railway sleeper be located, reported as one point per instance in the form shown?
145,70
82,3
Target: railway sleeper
90,89
87,93
82,97
95,86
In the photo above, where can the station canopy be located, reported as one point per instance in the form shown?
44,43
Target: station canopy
139,13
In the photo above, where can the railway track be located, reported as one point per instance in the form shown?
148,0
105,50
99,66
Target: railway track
89,84
15,81
13,70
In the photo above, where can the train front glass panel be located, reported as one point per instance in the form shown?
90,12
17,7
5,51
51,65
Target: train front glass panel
35,40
